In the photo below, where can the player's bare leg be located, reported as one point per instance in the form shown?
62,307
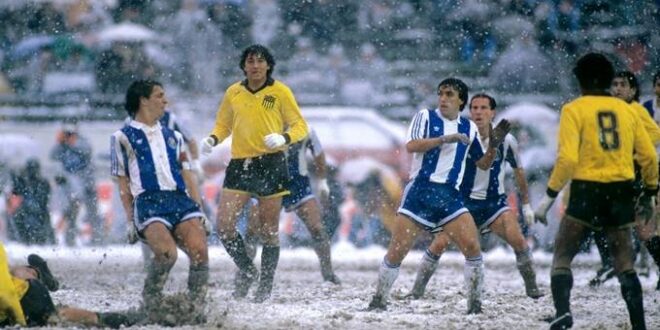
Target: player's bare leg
567,245
463,232
310,213
429,264
506,226
163,246
622,251
404,235
191,237
231,206
269,215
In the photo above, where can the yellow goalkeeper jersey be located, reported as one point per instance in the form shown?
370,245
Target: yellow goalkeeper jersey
650,125
597,137
11,291
249,116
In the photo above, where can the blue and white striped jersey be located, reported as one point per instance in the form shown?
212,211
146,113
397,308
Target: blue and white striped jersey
151,157
446,163
296,153
489,184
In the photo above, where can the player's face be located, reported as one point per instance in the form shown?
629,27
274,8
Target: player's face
157,101
621,88
449,102
657,87
481,112
256,67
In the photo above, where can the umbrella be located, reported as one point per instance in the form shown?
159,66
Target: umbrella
126,31
31,45
16,149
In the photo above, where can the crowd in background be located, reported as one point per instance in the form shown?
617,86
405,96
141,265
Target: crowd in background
380,53
376,53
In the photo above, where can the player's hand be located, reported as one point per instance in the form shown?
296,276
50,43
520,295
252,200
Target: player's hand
645,207
542,209
208,226
455,138
528,214
274,140
498,133
324,189
207,145
132,234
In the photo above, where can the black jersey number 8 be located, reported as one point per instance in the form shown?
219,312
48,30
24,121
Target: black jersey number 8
607,130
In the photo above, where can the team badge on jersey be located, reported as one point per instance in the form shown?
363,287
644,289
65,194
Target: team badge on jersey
268,102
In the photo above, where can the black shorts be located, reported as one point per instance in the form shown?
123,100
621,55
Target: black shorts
602,205
262,176
37,304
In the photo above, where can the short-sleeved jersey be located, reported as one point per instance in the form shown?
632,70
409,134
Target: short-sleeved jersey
297,152
151,157
597,137
445,163
489,184
250,116
653,109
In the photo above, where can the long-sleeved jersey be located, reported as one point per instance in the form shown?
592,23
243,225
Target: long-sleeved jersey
250,116
597,137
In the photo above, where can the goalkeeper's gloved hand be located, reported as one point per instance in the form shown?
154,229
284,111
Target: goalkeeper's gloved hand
207,144
542,209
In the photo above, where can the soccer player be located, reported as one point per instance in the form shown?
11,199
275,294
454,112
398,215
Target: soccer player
597,136
653,105
302,201
626,87
484,197
263,117
159,194
440,140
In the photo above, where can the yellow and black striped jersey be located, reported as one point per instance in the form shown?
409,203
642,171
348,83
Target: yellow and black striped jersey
250,116
597,136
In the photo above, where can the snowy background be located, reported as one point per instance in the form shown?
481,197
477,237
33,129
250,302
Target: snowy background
111,278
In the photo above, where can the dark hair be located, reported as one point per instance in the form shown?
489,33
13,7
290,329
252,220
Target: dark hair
260,51
594,72
632,81
459,86
138,89
491,100
656,77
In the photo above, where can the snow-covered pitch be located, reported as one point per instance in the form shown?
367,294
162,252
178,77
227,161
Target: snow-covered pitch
110,278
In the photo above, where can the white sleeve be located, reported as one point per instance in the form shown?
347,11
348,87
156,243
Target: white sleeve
418,126
314,144
511,152
118,155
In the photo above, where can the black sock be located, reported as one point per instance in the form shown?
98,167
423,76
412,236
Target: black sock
270,256
631,290
653,245
236,249
561,285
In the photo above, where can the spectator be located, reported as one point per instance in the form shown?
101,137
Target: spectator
32,218
76,181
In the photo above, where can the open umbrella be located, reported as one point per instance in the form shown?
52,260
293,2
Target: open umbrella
127,32
31,45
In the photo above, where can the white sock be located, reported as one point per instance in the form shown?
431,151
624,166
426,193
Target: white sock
387,274
474,278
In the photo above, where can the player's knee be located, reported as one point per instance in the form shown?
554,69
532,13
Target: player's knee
166,257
